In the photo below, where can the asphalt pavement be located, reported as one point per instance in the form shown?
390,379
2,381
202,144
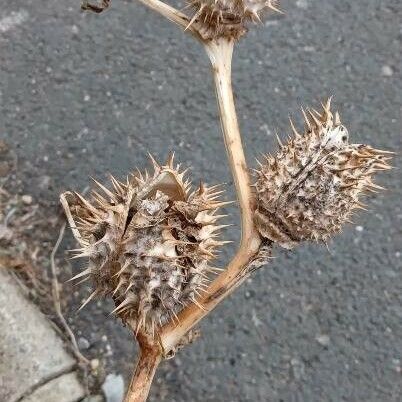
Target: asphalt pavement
83,95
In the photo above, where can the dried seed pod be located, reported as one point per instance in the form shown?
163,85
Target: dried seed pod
227,18
311,187
149,242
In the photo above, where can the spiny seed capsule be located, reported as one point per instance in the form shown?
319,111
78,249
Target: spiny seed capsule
227,18
311,187
149,242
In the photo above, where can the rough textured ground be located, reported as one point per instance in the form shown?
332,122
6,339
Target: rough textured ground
85,94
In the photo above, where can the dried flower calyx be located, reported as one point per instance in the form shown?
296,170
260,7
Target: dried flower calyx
149,242
228,18
311,187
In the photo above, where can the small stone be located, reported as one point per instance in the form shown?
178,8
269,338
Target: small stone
302,4
5,233
26,199
4,169
387,71
94,398
297,368
83,343
323,340
3,146
113,388
94,364
109,350
359,228
254,318
309,49
396,365
44,182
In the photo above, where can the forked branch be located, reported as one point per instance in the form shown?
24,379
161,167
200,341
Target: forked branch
173,15
220,54
167,11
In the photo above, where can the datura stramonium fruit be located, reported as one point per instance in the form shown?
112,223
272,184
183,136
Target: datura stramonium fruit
227,18
149,242
311,187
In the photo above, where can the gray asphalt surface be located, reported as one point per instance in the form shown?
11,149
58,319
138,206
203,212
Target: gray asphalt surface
82,95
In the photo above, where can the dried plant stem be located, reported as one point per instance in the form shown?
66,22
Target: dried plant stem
56,299
220,54
173,15
148,362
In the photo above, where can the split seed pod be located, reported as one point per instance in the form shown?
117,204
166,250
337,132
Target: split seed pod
228,18
311,187
149,242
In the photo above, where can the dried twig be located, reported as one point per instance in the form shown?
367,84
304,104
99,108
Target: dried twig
56,298
167,11
148,362
173,15
70,220
220,54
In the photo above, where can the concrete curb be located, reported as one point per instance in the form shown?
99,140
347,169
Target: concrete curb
34,366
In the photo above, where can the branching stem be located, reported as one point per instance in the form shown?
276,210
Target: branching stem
220,54
173,15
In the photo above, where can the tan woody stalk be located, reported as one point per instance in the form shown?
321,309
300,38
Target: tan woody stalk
173,15
148,362
220,53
